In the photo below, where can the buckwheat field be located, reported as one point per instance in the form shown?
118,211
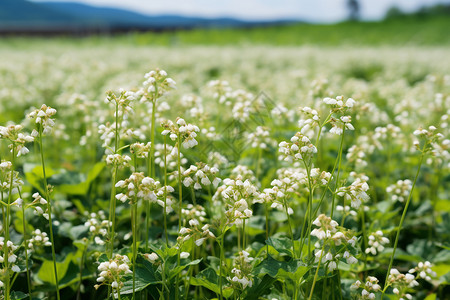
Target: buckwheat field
235,172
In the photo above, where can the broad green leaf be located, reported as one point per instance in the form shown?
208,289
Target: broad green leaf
209,279
293,269
282,245
146,275
260,287
82,187
431,297
18,295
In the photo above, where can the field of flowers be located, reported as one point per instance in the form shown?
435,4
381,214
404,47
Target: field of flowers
246,172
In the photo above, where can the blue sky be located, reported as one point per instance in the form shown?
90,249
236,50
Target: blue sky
311,10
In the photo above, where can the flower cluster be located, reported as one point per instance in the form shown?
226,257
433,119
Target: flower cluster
113,272
118,160
369,288
196,232
98,226
300,148
39,239
186,132
312,120
333,240
423,271
199,175
12,258
356,192
123,100
376,242
17,138
401,283
141,150
156,84
400,190
260,138
429,135
242,271
221,90
5,180
43,118
343,121
235,194
139,187
171,154
38,210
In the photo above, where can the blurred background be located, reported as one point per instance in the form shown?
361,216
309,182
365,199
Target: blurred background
283,22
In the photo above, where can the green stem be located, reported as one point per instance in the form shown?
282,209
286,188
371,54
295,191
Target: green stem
24,223
165,192
363,225
112,201
290,227
221,260
310,198
83,257
338,173
180,204
317,272
49,209
8,218
151,168
180,185
267,228
258,163
133,229
402,220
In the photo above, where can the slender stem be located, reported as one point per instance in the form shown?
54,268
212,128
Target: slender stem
165,191
112,212
310,198
338,173
267,227
49,209
180,185
221,260
112,203
258,163
83,257
243,235
25,245
180,204
317,272
151,167
133,229
363,225
402,220
290,227
8,218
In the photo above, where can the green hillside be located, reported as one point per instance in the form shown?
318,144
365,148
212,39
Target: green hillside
427,29
412,30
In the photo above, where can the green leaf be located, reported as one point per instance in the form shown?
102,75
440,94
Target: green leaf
282,245
82,187
18,295
209,279
260,287
293,269
46,272
146,274
431,297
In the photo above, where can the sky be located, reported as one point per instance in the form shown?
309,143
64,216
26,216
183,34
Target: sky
323,11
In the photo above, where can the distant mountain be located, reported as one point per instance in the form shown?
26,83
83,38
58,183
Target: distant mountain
26,16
